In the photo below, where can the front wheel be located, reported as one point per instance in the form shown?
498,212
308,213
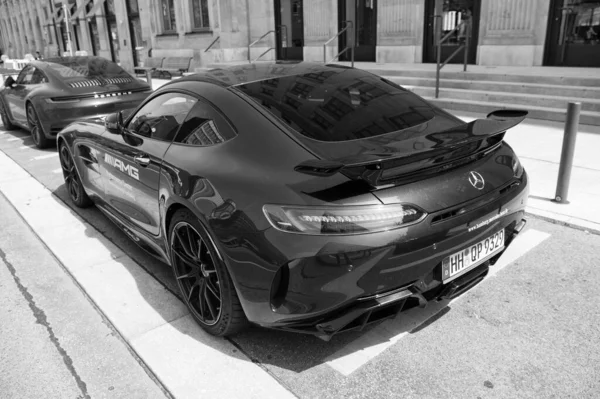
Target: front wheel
35,127
73,182
202,277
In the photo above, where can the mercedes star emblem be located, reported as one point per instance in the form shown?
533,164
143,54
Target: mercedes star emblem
476,180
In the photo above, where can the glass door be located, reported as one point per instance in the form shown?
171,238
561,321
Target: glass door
453,13
289,29
135,29
574,34
363,15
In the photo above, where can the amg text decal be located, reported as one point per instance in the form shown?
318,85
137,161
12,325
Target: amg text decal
125,168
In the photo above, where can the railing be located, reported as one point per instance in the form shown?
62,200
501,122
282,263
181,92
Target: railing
256,41
212,44
349,25
439,43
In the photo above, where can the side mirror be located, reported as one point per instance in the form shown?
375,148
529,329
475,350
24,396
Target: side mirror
9,82
114,123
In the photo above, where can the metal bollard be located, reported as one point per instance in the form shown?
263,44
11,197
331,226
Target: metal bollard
149,77
568,150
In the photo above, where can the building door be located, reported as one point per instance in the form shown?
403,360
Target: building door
113,34
362,14
452,13
573,34
135,29
289,29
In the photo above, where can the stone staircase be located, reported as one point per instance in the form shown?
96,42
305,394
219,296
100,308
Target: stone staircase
544,96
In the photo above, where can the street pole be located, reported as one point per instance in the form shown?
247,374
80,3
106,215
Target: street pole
568,150
67,24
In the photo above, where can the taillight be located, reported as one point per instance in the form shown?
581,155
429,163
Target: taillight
333,220
517,167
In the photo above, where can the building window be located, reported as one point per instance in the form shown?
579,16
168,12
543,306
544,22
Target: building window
168,13
200,15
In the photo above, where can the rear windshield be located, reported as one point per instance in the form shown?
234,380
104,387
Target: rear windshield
86,67
339,104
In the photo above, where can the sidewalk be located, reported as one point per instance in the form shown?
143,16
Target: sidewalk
55,344
538,144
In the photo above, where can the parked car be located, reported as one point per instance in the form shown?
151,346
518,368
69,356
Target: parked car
302,197
49,94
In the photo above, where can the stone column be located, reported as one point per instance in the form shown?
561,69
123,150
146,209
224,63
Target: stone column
125,47
13,41
37,34
320,24
18,20
512,32
400,31
4,36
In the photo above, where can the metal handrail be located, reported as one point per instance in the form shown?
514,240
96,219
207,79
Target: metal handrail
256,41
269,49
439,43
213,42
348,25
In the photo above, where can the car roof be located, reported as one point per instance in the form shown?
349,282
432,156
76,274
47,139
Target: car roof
247,73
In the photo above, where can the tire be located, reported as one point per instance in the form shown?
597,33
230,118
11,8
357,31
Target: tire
37,132
202,277
5,120
75,188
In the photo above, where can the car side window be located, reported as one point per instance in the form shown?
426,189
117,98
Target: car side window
204,126
25,75
38,77
160,117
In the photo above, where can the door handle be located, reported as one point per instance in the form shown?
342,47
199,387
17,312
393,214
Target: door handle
142,159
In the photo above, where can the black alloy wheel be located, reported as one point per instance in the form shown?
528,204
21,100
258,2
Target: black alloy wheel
37,133
202,277
73,182
5,120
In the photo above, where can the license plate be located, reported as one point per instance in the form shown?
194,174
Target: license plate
459,263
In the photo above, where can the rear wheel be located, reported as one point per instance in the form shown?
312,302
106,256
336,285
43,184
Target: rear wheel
35,127
4,117
73,182
203,278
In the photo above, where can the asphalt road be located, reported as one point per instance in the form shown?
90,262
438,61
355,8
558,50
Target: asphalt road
531,330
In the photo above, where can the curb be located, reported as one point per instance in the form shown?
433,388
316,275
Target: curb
574,223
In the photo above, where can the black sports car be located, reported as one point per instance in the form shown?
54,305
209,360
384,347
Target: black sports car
303,197
50,94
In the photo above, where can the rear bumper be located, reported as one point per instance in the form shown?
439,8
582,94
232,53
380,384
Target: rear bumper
56,116
373,309
331,284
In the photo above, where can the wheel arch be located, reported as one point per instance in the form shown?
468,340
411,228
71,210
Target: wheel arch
170,212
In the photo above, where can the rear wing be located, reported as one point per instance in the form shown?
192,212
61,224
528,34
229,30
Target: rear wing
460,143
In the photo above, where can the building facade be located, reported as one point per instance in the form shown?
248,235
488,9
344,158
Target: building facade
500,32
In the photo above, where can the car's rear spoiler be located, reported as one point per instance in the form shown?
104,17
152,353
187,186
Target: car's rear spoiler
497,122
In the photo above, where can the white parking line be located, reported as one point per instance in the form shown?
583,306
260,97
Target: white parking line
57,170
357,353
150,318
23,147
14,138
52,155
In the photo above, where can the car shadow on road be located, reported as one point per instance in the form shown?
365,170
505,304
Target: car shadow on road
11,141
288,352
